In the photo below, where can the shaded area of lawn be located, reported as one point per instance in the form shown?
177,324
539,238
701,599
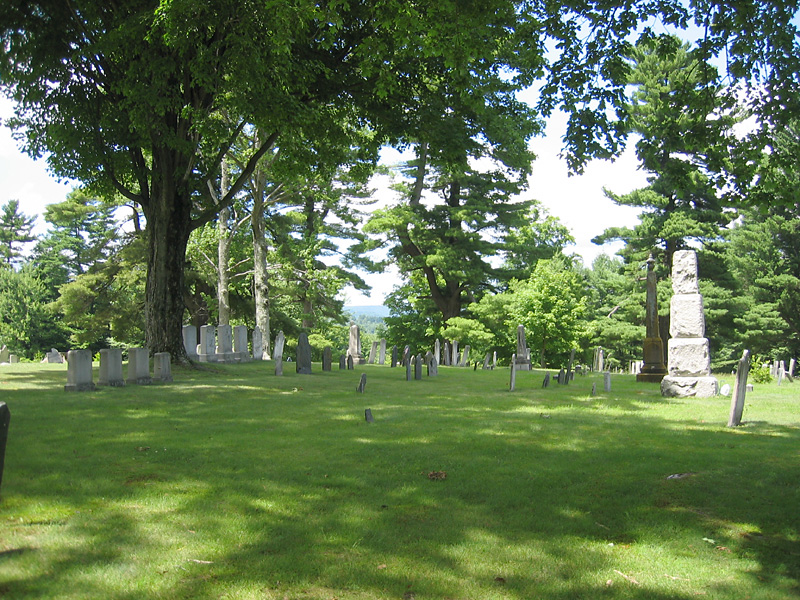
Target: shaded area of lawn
240,484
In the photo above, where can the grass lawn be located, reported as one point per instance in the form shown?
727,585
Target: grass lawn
234,483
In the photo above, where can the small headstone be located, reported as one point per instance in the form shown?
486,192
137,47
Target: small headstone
486,361
280,343
54,356
138,366
350,365
725,390
327,358
382,352
303,366
208,344
13,359
240,350
79,371
342,362
5,420
494,360
190,341
790,372
368,415
408,370
739,388
225,343
394,357
433,367
258,344
373,352
111,367
446,354
362,384
406,355
513,380
780,375
562,375
594,388
749,387
606,381
162,368
465,357
5,354
546,381
454,353
418,367
437,350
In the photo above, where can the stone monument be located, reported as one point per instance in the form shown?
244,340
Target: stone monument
354,348
689,362
653,369
523,361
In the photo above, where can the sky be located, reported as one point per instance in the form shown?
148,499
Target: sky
578,201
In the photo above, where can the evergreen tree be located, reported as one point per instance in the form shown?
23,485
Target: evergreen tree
15,229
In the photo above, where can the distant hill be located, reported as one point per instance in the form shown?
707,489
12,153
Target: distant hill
368,311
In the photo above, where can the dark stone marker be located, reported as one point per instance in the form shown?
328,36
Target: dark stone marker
279,365
546,381
350,366
408,370
433,368
303,365
362,384
570,374
475,368
394,356
418,367
342,362
562,375
446,355
5,419
406,355
327,358
368,416
594,389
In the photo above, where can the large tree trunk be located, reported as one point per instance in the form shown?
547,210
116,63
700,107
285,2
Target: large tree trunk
223,254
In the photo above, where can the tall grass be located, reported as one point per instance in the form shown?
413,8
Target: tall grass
234,483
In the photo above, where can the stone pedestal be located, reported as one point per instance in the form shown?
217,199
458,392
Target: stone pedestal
653,370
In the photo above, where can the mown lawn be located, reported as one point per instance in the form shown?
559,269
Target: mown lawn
234,483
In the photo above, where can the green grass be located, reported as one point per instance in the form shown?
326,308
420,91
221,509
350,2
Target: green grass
233,483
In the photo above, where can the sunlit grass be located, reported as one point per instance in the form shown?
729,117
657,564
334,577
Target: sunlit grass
234,483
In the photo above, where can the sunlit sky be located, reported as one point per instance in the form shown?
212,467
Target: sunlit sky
578,201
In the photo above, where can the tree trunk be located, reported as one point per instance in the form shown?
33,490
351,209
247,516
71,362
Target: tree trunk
260,273
223,254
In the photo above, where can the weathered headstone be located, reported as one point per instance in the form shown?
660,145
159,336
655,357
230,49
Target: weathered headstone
354,346
208,344
570,373
437,350
138,366
190,341
546,380
418,367
303,366
342,362
446,353
258,344
725,390
607,381
362,383
562,375
277,353
523,357
162,367
373,353
5,421
454,353
54,356
652,368
494,360
408,370
433,367
465,356
5,354
790,372
13,359
739,388
406,355
225,344
780,373
240,349
79,371
394,357
594,388
278,365
350,363
382,352
486,362
111,368
689,361
512,384
327,358
368,416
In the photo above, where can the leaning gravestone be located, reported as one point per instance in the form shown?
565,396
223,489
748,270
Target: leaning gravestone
512,384
138,366
5,420
111,367
162,367
327,358
79,371
373,352
5,354
546,380
739,388
408,370
465,357
486,362
689,362
277,353
362,384
303,365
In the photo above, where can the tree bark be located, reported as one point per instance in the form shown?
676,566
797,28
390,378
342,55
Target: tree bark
223,254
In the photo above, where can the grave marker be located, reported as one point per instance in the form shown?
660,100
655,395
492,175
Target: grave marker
418,367
189,341
740,387
240,350
258,344
362,384
208,344
408,370
225,343
546,381
5,421
162,367
354,347
606,381
342,362
382,352
368,416
111,367
79,371
523,355
303,366
138,366
513,381
394,357
327,358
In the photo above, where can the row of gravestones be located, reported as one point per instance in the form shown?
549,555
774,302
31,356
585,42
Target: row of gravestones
79,368
222,344
779,371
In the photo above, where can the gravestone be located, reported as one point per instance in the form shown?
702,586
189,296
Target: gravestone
278,366
54,356
790,372
780,375
433,367
79,371
606,381
5,421
327,358
725,390
303,365
406,355
546,381
394,357
368,416
418,367
225,344
689,362
594,388
208,344
740,387
5,354
138,366
354,346
350,363
373,352
13,359
570,373
652,368
523,356
454,353
486,362
362,383
562,375
189,341
277,353
512,384
342,362
162,367
494,360
240,350
111,368
446,353
465,357
382,352
437,350
258,344
408,370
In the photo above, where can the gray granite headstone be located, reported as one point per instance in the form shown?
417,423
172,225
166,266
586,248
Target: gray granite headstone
5,354
162,368
327,358
373,352
382,352
208,344
79,371
342,362
739,388
418,366
368,416
486,361
111,368
446,354
303,366
225,343
280,343
454,353
562,374
190,341
406,355
5,420
513,382
546,381
362,383
433,367
350,365
437,350
139,366
258,344
408,370
279,365
13,359
606,381
240,350
394,357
